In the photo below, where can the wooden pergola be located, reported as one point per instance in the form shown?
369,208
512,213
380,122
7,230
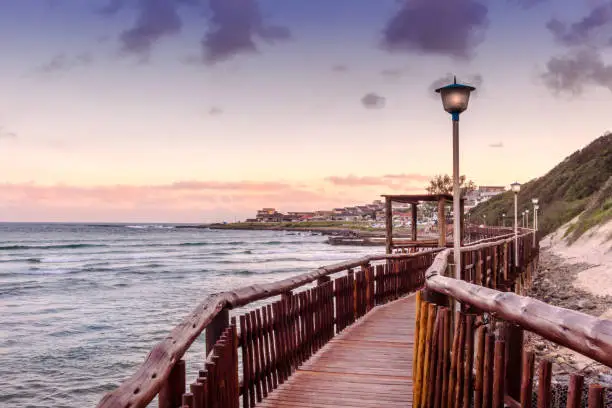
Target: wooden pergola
413,200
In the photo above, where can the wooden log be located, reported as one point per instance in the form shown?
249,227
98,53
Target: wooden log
439,376
211,384
197,389
596,396
417,323
487,383
468,361
452,399
418,381
460,362
431,317
544,379
499,374
574,394
433,361
527,379
585,334
278,343
264,361
448,329
172,392
271,353
215,328
188,400
514,353
479,366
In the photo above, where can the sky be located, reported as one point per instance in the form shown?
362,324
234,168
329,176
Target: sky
206,110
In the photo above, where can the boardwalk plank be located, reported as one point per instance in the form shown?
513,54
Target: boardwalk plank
368,365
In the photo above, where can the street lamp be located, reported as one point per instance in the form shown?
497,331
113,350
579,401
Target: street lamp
516,187
485,220
534,201
455,98
503,219
535,219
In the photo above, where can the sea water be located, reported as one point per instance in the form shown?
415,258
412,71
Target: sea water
81,305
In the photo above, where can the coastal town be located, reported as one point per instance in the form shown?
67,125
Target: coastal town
373,214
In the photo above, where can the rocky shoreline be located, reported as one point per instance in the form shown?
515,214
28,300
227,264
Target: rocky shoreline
553,283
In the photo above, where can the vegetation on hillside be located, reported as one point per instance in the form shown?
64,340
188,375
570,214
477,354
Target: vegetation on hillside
598,211
564,192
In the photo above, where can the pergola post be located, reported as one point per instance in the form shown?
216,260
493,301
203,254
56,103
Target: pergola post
462,219
389,225
441,222
414,221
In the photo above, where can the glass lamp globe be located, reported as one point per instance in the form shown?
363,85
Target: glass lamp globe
516,187
455,97
534,201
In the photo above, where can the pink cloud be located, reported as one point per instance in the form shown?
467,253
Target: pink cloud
395,181
183,201
192,200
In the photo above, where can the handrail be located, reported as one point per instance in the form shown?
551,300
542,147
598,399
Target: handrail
580,332
140,388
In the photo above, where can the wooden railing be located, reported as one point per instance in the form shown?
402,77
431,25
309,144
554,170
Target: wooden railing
254,352
476,356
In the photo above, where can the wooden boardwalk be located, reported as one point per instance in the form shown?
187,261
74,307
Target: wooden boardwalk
368,365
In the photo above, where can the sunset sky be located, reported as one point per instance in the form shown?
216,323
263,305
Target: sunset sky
206,110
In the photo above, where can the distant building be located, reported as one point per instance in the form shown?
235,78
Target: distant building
481,194
268,215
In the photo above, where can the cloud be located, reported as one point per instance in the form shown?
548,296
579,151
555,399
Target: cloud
156,19
373,101
215,111
397,181
235,24
182,201
63,62
233,27
393,73
444,27
526,3
340,68
497,145
576,71
584,31
475,80
112,7
5,134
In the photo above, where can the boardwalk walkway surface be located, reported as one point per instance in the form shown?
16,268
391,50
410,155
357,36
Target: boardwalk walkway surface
368,365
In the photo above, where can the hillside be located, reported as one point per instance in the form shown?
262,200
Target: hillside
582,183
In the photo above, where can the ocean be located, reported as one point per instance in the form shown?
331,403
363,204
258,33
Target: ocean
81,305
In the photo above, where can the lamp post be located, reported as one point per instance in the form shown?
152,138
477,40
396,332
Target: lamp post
455,98
527,218
485,220
516,187
535,219
503,219
534,201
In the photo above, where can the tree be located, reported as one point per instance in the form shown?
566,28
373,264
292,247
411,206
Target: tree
443,184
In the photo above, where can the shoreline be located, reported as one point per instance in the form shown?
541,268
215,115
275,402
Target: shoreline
323,230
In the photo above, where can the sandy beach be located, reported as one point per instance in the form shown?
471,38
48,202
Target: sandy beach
577,277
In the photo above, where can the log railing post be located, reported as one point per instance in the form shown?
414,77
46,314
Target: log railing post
215,329
514,353
171,393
